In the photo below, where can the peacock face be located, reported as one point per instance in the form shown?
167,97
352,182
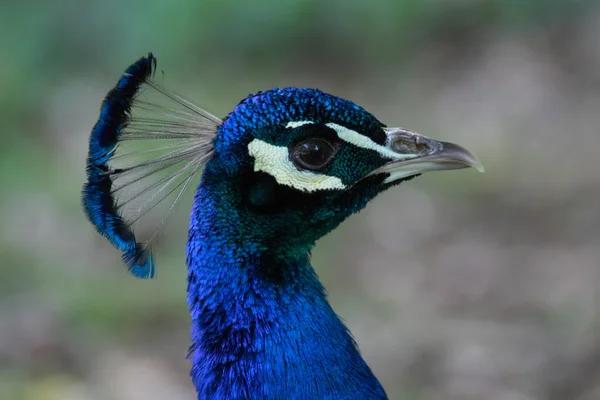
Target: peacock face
300,161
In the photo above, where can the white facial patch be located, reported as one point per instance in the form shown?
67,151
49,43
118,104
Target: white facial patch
365,142
275,161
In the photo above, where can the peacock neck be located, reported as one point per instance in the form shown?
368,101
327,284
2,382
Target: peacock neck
261,324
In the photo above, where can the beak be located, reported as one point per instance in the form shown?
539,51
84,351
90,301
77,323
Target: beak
414,154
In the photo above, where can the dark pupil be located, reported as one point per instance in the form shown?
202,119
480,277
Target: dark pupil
314,153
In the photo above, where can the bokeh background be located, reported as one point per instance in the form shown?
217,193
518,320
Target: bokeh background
456,285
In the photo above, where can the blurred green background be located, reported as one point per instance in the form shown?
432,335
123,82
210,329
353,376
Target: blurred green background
456,285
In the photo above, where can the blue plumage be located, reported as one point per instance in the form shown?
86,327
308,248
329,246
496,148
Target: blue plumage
284,168
262,327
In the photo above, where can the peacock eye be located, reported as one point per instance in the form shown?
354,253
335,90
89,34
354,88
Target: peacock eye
313,154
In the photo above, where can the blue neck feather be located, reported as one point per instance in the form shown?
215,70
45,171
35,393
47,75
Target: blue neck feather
262,327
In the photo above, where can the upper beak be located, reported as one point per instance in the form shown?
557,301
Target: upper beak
415,154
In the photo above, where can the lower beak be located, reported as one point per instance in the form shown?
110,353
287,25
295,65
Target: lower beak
417,154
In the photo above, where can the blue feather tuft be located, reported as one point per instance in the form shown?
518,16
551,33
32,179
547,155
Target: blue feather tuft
128,175
98,202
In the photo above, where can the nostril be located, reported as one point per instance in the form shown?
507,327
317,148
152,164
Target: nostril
413,144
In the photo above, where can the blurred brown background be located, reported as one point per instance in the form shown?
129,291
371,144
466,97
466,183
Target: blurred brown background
456,285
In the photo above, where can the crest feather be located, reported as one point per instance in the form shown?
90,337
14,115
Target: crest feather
145,151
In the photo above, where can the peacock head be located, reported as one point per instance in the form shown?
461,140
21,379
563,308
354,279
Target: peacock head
284,168
297,162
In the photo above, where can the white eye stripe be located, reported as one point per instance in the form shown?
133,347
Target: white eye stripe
357,139
275,161
296,124
362,141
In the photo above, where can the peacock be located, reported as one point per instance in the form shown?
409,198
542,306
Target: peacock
283,169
